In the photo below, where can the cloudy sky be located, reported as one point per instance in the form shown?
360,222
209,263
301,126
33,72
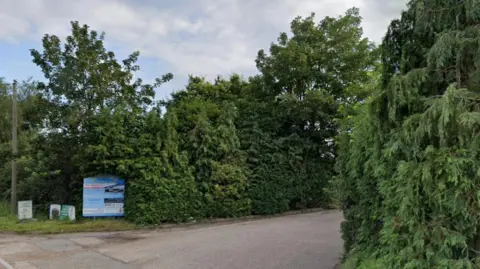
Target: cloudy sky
201,37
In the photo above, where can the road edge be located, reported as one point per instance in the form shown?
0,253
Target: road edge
190,225
220,221
5,264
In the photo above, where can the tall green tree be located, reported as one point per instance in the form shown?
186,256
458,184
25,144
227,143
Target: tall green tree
330,55
230,147
144,150
207,116
30,122
411,172
288,126
83,79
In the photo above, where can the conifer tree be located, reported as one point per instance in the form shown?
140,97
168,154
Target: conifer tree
162,187
412,171
208,133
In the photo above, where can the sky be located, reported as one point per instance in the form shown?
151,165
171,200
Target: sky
196,37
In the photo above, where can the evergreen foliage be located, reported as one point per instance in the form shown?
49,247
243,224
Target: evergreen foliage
209,137
223,148
289,119
410,169
396,142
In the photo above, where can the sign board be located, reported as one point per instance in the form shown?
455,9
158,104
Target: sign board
103,197
67,212
71,213
54,211
25,210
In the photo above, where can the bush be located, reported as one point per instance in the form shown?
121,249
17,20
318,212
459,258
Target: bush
410,170
159,200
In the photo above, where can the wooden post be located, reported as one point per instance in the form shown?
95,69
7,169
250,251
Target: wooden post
14,149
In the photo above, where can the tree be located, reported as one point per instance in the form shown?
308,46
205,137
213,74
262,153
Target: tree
144,150
411,171
225,148
288,125
83,80
331,55
30,119
207,115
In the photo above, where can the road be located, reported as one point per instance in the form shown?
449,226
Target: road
296,241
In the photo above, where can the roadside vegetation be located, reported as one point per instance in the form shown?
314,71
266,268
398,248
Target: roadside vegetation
389,133
41,224
229,147
409,161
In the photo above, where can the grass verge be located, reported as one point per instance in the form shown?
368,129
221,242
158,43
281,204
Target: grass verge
52,226
9,223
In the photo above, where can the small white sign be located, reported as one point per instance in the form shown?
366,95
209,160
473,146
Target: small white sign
71,213
25,210
55,211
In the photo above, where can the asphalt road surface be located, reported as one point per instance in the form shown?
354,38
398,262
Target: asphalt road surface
309,241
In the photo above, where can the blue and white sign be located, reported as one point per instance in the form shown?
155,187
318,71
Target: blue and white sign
103,197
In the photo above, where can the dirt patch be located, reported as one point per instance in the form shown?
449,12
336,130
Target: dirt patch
120,238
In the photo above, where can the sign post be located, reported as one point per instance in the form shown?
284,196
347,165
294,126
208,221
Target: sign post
54,211
67,212
103,197
25,210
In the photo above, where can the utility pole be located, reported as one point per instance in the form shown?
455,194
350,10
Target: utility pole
14,148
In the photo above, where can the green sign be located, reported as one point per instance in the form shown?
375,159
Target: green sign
67,212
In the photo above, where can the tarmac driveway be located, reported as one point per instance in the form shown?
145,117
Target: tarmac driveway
308,241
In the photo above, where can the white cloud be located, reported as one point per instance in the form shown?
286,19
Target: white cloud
195,37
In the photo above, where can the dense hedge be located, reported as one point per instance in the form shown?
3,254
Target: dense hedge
222,148
409,172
